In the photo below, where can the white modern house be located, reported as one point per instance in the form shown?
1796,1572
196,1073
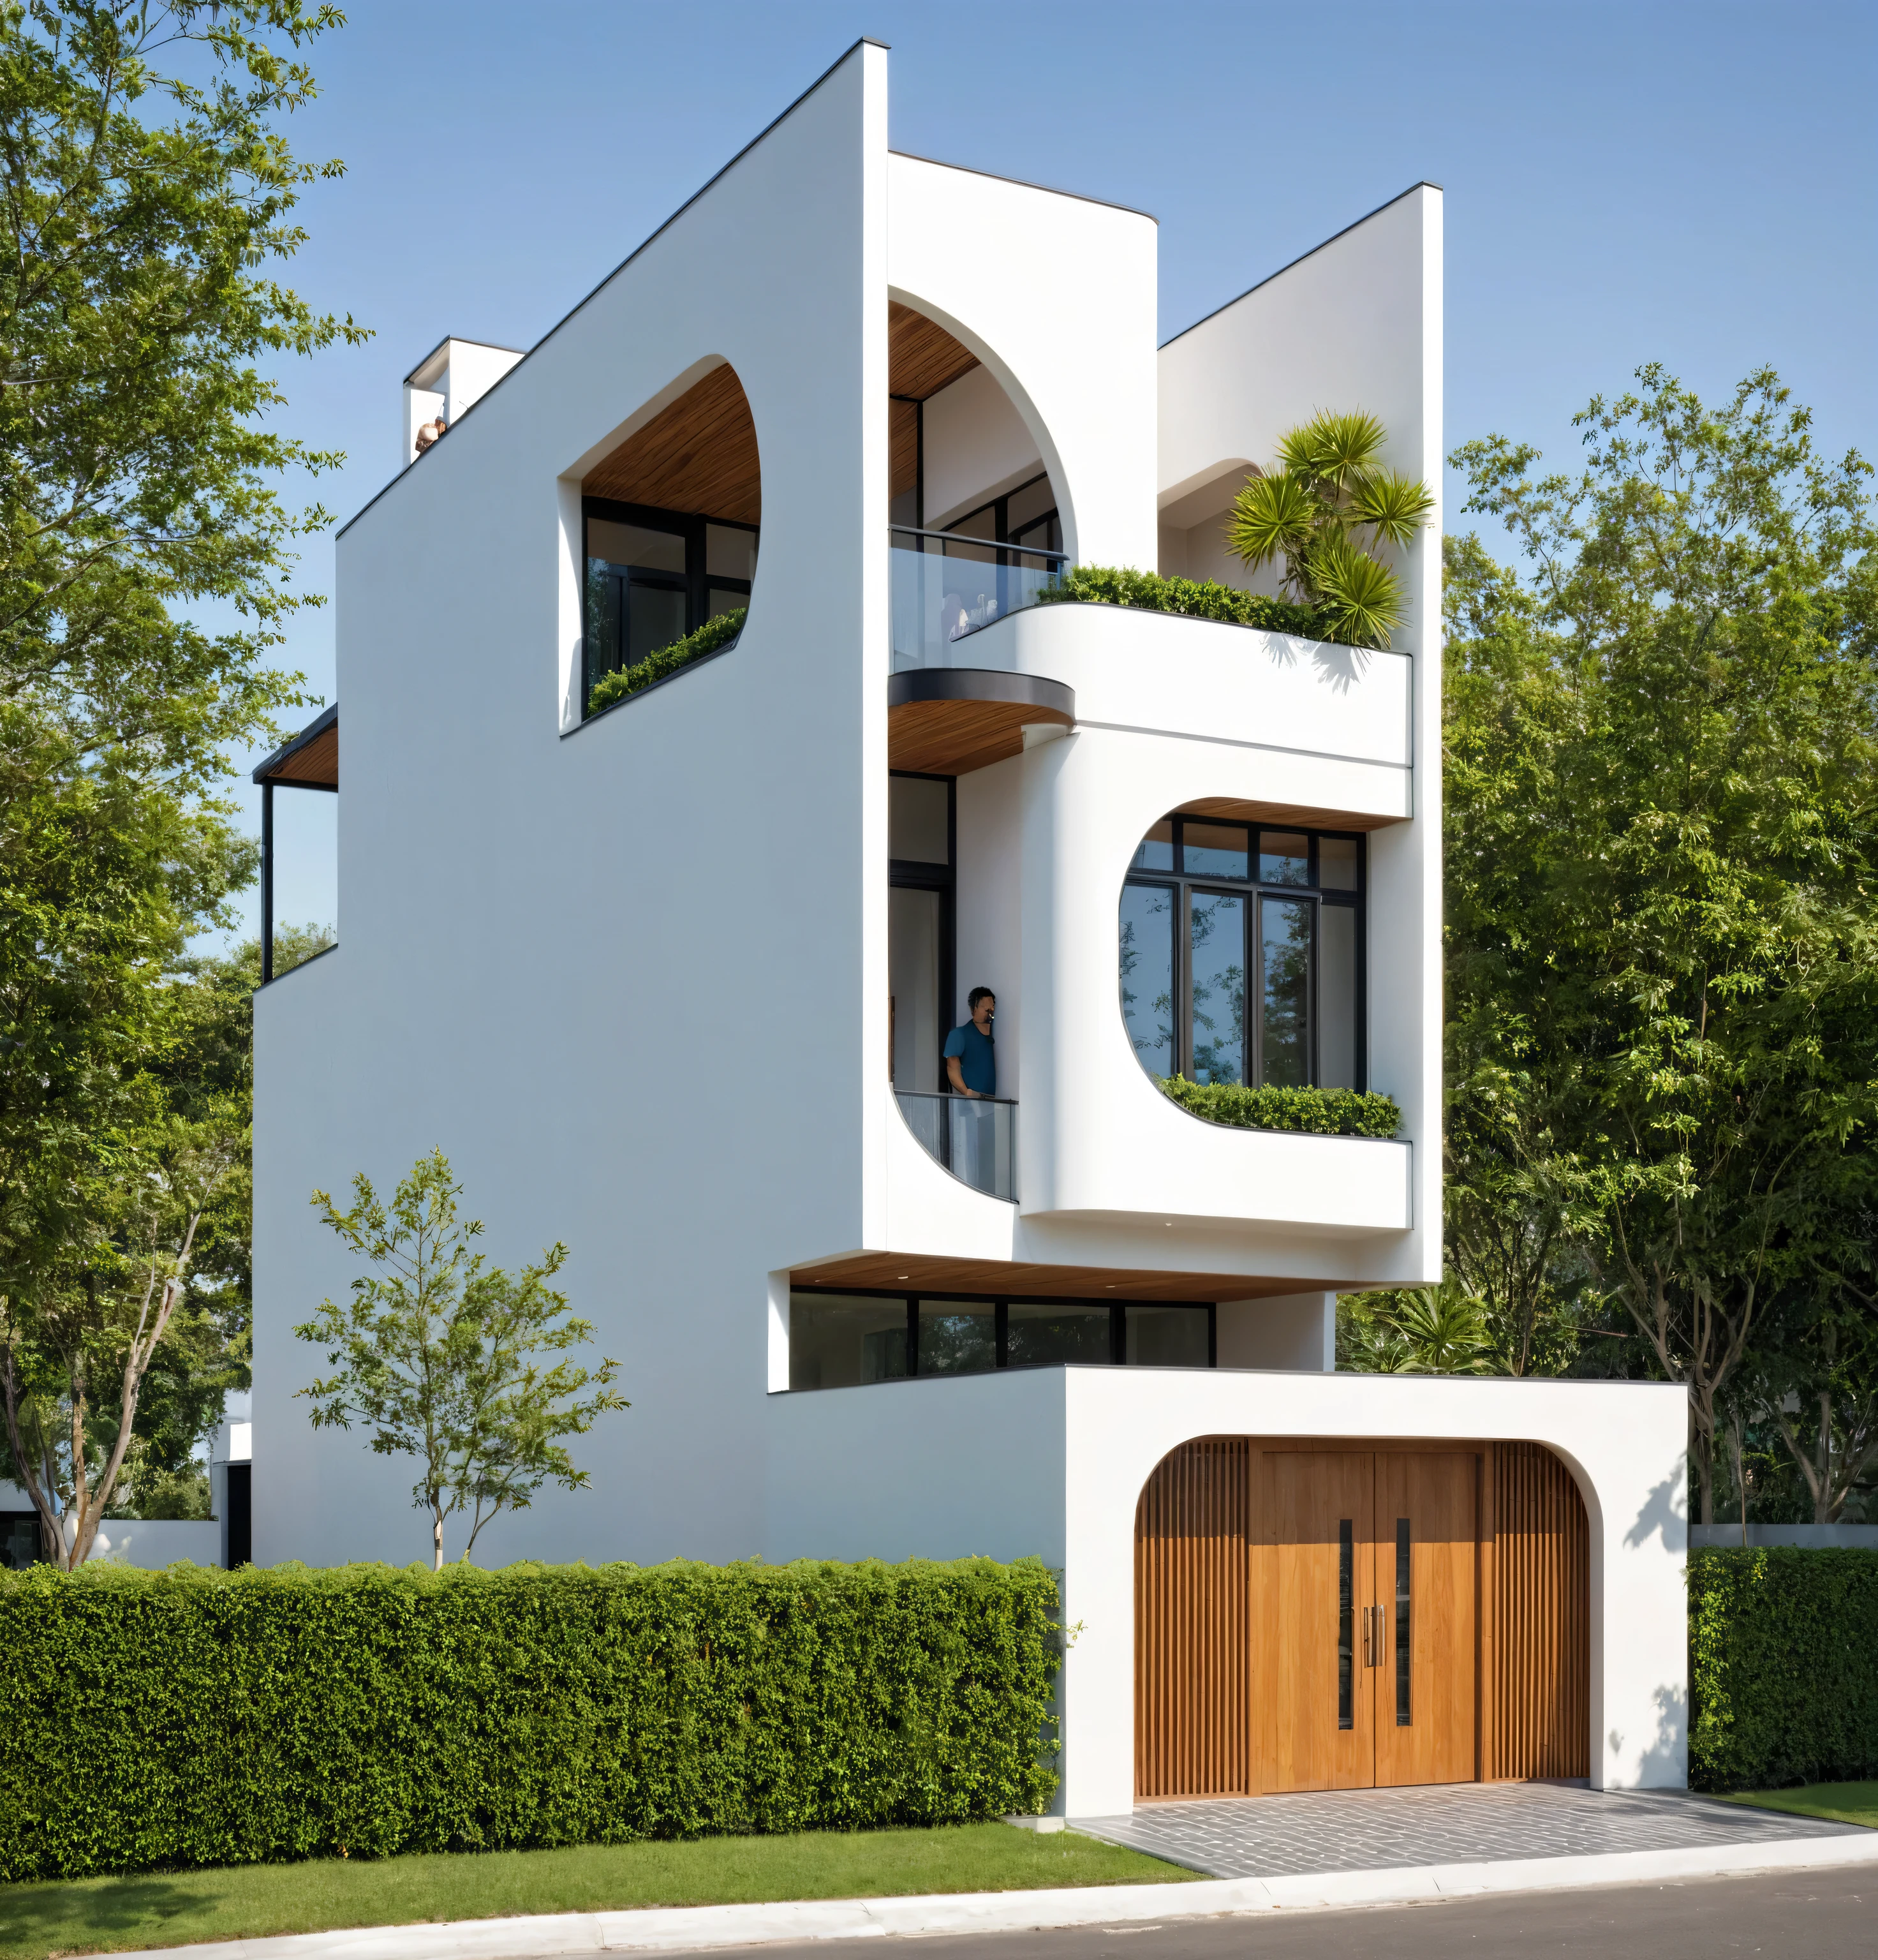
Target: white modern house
669,982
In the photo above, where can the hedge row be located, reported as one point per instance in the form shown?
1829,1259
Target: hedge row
194,1717
710,638
1326,1112
1783,1667
1197,598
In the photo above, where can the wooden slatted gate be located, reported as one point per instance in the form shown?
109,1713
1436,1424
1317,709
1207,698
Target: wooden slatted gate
1536,1665
1195,1603
1192,1657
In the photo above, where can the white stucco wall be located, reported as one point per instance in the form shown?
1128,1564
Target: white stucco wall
976,448
1056,295
633,982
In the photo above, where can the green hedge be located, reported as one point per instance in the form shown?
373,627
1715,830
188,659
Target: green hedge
1324,1112
1113,585
1783,1667
195,1718
709,638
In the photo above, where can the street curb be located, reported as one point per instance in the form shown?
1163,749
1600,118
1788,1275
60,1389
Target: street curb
692,1929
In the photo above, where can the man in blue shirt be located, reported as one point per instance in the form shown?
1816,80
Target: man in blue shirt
971,1051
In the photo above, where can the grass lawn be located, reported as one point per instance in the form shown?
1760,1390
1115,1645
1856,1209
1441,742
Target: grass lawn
1843,1802
234,1902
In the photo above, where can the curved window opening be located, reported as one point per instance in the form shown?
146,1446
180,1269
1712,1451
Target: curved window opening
671,521
1241,954
975,526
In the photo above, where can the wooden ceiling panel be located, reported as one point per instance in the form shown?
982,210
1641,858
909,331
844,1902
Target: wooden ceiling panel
699,455
922,357
904,1272
1296,815
952,738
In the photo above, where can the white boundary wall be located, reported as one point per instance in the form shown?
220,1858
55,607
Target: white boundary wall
1052,1463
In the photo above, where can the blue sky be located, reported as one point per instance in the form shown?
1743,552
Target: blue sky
1691,181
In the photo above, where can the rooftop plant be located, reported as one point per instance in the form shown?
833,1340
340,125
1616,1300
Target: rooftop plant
713,635
1324,511
1122,585
1328,1112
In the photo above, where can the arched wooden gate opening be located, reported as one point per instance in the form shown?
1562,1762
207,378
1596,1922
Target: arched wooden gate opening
1330,1614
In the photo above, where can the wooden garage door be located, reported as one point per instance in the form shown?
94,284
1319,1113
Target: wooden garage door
1338,1615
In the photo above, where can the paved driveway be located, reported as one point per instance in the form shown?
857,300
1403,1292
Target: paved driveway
1376,1830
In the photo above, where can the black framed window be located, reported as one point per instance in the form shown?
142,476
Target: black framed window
1025,516
653,576
922,828
842,1339
1241,954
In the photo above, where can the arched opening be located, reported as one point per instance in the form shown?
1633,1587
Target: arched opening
670,522
1312,1614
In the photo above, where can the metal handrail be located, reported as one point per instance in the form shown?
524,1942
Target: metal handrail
986,544
953,1095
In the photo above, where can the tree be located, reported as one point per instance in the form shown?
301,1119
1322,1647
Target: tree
1325,511
143,189
1664,962
438,1357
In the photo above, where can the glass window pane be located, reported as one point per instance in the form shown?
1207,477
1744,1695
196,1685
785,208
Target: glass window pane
1404,1672
1336,997
1284,857
1336,863
654,617
957,1337
913,980
1147,973
1025,507
1285,948
1044,1336
1345,1623
982,522
840,1343
1156,852
724,598
1214,850
602,621
1218,933
729,553
635,545
1166,1337
918,808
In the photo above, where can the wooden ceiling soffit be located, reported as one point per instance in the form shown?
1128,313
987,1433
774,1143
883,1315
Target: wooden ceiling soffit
948,721
1293,815
699,455
903,1272
922,357
311,759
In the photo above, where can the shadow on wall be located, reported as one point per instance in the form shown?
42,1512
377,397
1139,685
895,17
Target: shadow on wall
1339,667
1663,1764
1663,1508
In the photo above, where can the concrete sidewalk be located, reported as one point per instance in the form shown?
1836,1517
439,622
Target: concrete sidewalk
1764,1844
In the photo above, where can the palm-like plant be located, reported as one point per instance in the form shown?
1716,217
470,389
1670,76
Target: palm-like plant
1323,511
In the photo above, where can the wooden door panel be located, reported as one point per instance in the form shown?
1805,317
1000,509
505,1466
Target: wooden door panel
1427,1540
1193,1719
1313,1533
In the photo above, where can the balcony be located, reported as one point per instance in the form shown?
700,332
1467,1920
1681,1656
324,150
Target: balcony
945,718
974,1137
946,587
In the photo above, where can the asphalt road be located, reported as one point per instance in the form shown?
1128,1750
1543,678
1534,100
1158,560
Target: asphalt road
1828,1913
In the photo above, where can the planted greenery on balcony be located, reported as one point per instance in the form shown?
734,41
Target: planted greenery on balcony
1121,585
1323,1113
1322,512
709,638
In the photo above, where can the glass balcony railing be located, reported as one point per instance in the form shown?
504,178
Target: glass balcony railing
946,587
975,1137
